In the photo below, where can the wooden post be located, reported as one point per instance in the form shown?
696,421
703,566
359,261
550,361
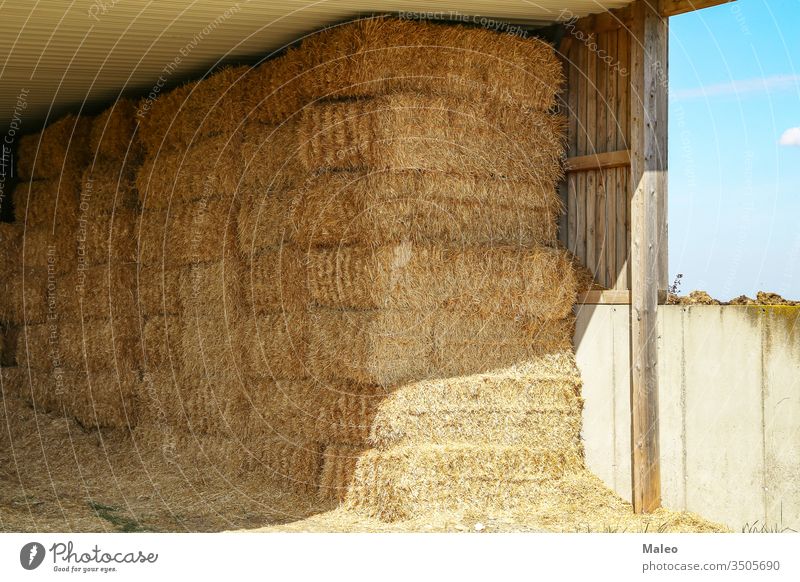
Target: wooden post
648,180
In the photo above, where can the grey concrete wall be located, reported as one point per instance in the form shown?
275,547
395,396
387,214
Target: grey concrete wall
729,398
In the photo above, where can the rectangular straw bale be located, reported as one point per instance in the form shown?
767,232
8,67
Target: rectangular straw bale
96,400
106,238
277,89
405,482
109,185
405,132
96,346
511,406
211,166
113,134
196,232
100,292
263,220
8,344
61,148
41,203
160,345
536,282
158,290
50,249
11,245
212,288
271,155
382,55
182,116
343,208
338,469
29,300
193,404
374,347
275,281
468,344
274,345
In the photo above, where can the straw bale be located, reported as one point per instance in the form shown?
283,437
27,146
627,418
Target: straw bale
293,465
160,344
99,346
212,288
277,89
109,185
275,281
102,292
273,345
96,400
535,404
61,148
31,302
263,221
113,133
50,248
403,132
11,245
338,468
212,166
326,412
196,232
211,106
8,344
468,344
106,238
538,282
408,481
385,55
159,290
192,404
271,154
343,208
41,203
374,347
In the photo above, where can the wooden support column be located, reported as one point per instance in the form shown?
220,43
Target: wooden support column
648,147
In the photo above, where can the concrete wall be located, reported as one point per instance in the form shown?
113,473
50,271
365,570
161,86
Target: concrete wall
729,408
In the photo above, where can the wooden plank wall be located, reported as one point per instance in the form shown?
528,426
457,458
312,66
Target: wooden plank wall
596,225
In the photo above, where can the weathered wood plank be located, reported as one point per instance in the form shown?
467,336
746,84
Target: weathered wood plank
580,239
611,174
622,188
647,145
600,161
675,7
591,176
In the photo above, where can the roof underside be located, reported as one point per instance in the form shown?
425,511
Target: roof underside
64,56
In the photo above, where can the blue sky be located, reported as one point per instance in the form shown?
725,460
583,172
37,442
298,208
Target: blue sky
734,189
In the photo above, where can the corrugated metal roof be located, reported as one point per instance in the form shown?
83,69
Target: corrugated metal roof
61,55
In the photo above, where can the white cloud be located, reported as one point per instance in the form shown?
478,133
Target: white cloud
791,137
740,87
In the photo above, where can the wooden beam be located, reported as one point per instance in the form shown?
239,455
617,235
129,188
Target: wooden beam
648,163
601,22
605,297
675,7
598,161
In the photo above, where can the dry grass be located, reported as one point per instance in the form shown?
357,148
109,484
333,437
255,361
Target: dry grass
271,156
11,243
61,148
106,238
158,290
212,288
371,208
160,345
26,300
101,292
409,132
537,283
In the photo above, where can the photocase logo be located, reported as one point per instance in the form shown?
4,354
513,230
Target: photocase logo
31,555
